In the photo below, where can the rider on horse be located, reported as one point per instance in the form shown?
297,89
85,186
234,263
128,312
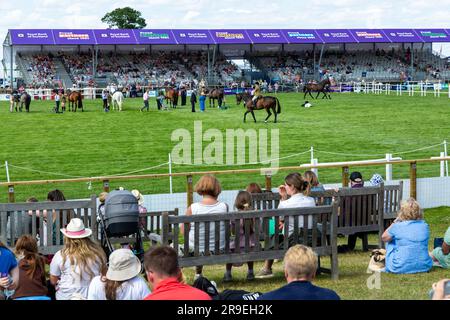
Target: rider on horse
256,93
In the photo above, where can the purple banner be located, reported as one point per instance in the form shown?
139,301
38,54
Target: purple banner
369,35
114,36
433,35
230,36
301,36
266,36
69,36
37,37
402,35
154,36
336,36
193,36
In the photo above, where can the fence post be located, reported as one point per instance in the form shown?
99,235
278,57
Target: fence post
11,197
190,190
413,180
345,171
314,162
442,166
106,185
268,182
445,155
388,167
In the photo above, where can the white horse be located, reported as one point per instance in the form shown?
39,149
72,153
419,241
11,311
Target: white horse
117,99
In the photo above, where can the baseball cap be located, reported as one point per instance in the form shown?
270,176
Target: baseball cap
356,176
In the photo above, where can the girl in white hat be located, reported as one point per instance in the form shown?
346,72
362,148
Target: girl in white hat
121,281
77,263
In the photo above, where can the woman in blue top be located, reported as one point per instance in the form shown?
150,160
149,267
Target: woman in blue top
407,241
9,272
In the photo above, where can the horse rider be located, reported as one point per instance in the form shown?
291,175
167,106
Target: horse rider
256,93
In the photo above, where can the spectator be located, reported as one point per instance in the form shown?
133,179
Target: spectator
164,274
295,187
300,266
441,290
441,255
121,281
145,98
407,241
32,282
9,272
254,188
356,181
193,100
376,180
314,185
209,188
243,202
77,263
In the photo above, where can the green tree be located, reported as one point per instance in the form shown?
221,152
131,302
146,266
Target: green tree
124,18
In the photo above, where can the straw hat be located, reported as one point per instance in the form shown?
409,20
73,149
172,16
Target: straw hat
76,230
123,265
138,196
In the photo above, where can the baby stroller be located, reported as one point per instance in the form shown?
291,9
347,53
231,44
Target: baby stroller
120,223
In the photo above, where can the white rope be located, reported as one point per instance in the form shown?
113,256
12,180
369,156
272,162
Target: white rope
140,170
378,155
46,172
243,164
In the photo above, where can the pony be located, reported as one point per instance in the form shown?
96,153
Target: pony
240,97
268,103
321,87
25,98
117,99
215,94
171,96
75,100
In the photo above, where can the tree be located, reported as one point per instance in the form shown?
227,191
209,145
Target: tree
124,18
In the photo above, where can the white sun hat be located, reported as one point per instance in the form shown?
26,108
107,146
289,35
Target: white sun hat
123,265
76,230
138,196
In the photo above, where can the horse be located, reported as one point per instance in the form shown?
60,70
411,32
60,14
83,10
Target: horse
321,87
75,100
25,98
117,99
240,97
268,103
215,94
171,96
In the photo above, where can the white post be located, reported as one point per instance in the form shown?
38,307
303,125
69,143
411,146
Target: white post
412,90
170,173
442,166
445,155
388,167
401,87
315,170
7,171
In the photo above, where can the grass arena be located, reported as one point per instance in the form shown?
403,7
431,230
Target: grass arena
348,127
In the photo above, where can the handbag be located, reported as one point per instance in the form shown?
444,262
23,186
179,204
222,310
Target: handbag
377,260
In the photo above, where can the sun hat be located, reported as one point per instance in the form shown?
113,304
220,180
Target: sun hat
376,180
138,196
123,265
76,230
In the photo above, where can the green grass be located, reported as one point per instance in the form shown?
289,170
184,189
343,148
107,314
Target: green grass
94,143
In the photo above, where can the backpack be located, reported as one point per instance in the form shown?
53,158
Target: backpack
207,286
239,295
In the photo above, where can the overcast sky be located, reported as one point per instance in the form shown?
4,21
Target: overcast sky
211,14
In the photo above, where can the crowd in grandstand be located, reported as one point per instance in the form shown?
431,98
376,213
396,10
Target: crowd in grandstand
24,277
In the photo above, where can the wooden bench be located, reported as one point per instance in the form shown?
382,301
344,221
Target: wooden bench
323,243
23,219
393,196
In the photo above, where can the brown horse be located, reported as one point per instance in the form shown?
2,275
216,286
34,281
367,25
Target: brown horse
215,94
321,87
268,103
75,100
240,97
171,95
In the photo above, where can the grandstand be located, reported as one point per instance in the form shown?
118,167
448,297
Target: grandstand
87,58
